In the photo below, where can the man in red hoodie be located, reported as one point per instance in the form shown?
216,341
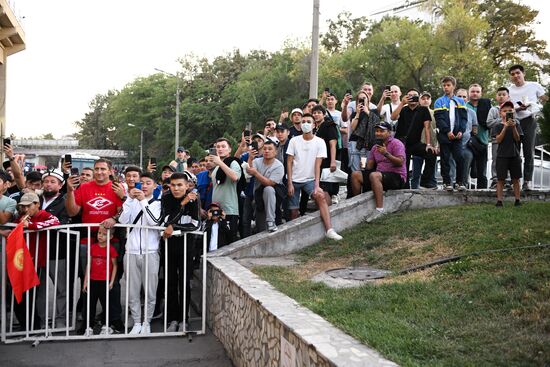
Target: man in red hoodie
34,218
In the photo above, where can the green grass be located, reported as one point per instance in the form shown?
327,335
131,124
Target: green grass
492,309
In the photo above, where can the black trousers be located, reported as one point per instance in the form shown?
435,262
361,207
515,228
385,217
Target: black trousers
419,149
97,293
176,271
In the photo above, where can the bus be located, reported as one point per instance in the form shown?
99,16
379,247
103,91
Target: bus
80,160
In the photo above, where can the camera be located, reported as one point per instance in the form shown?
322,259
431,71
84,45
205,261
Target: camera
215,212
413,99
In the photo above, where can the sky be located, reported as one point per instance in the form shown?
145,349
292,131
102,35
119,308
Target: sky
76,49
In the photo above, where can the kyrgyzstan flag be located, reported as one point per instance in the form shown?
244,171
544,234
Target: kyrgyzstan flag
19,262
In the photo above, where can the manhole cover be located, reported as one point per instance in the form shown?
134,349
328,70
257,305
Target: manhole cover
358,273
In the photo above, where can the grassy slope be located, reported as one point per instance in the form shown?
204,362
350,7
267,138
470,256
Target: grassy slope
492,309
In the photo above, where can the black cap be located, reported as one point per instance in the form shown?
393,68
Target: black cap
281,126
4,176
383,125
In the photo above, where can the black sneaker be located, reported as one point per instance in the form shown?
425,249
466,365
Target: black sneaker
525,186
517,203
118,326
499,204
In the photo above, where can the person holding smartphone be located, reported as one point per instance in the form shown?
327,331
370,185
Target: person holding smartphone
508,137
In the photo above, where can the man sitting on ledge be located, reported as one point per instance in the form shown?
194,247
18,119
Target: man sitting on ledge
385,166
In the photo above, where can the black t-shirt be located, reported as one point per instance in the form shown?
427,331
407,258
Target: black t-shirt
292,132
404,121
417,125
508,148
327,131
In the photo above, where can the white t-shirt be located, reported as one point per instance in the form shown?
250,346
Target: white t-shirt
305,152
213,245
530,93
387,110
336,117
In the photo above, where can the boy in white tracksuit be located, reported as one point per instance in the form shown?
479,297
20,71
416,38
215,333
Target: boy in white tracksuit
142,258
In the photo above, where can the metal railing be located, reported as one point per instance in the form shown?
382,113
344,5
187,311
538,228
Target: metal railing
73,234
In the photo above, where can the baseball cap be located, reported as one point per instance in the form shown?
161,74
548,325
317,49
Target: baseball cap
383,125
181,149
425,93
507,103
258,135
216,204
29,198
55,173
168,167
4,176
299,110
281,126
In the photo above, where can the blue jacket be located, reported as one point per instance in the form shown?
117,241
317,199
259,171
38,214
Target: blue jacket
442,121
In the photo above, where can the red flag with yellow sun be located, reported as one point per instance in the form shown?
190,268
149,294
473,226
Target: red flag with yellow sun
19,263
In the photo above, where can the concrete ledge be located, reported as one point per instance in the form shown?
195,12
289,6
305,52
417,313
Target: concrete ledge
254,322
309,229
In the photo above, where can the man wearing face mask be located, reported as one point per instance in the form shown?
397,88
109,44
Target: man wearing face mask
33,183
305,154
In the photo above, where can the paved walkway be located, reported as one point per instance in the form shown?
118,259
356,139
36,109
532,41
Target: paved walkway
204,350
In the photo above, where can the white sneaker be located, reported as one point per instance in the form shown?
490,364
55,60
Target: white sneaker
331,233
181,327
106,330
335,199
89,332
146,328
172,327
136,329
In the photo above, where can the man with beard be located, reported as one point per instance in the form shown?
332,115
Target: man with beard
53,202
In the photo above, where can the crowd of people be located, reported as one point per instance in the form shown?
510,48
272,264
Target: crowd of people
233,192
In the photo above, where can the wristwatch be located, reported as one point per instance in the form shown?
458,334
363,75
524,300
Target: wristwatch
386,154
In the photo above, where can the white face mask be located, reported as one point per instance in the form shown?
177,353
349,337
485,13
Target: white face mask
307,127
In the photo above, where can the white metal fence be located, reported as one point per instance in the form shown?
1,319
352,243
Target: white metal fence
64,328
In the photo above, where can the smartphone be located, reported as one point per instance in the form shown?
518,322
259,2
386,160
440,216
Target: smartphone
138,185
74,171
327,89
247,133
152,160
7,141
413,99
113,178
254,145
349,91
509,115
387,87
68,159
518,102
362,101
379,141
212,151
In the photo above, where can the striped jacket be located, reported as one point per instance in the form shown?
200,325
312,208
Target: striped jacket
141,241
442,121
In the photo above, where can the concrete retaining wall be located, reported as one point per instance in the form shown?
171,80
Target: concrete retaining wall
254,322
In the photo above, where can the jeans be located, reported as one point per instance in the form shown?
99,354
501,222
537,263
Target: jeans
355,156
529,127
427,177
418,162
454,149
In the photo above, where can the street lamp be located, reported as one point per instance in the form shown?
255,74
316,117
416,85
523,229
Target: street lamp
140,144
177,139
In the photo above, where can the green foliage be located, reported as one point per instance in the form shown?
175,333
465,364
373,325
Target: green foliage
545,120
197,151
472,40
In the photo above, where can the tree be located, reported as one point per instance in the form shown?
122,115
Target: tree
94,130
344,32
545,120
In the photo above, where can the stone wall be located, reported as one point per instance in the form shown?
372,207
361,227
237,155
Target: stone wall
254,321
